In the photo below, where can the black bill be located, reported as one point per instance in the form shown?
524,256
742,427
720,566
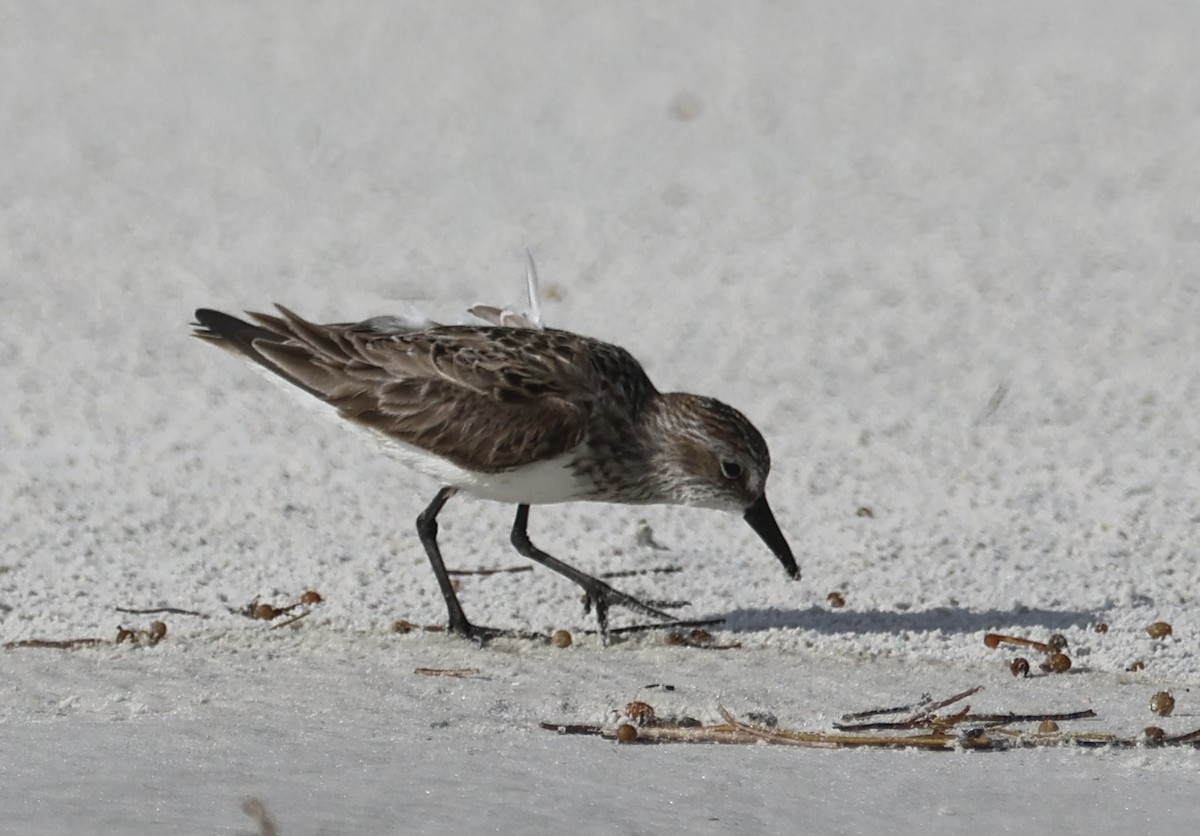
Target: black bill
763,522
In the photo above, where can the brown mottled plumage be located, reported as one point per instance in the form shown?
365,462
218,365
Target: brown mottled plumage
517,414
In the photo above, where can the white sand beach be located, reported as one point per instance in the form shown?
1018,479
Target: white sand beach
945,256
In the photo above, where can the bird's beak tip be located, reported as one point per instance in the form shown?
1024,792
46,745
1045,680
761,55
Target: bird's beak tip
760,518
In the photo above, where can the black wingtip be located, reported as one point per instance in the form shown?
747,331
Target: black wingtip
219,327
246,339
218,323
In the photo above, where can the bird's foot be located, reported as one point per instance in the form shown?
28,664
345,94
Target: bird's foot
483,635
601,596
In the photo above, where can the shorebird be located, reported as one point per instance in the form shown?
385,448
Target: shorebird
511,411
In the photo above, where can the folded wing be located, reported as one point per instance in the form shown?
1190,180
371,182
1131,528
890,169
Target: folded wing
484,398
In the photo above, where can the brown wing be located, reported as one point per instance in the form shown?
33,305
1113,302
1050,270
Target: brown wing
485,398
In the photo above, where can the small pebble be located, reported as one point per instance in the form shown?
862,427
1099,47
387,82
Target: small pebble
1159,629
639,712
1162,704
1057,663
158,631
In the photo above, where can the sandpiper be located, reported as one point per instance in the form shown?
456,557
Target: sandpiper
511,411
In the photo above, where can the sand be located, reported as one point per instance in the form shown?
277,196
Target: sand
945,256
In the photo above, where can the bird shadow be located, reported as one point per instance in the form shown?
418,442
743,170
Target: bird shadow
937,619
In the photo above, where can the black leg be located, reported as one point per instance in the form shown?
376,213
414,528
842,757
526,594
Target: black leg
427,529
599,593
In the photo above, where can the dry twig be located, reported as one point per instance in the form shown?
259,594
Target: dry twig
819,740
152,636
292,620
1006,719
460,673
931,731
59,644
925,716
573,728
156,610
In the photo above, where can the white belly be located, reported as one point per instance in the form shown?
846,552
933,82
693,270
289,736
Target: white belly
542,483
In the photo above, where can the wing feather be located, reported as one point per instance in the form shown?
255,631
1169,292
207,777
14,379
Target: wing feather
486,398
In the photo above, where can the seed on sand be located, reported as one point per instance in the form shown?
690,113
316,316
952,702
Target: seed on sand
1162,703
1159,629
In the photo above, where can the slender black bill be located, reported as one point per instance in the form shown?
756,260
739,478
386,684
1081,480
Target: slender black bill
763,522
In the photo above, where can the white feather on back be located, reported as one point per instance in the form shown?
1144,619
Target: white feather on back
506,317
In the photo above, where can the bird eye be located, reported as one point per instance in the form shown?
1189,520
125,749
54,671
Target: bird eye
731,470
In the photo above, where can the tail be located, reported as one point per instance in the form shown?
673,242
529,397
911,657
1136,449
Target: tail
245,339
